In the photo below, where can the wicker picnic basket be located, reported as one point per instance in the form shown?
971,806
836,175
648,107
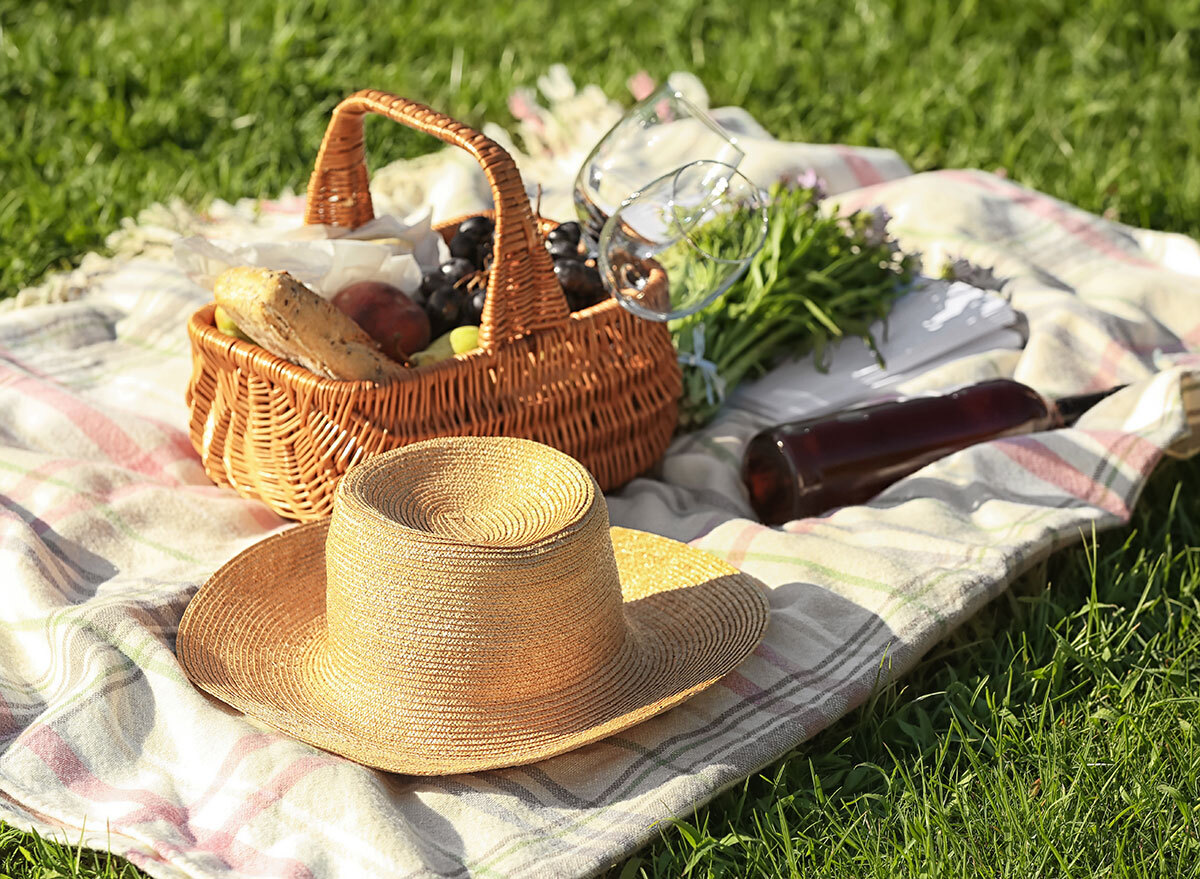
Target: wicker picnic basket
599,384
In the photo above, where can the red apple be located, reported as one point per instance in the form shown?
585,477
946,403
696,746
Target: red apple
398,324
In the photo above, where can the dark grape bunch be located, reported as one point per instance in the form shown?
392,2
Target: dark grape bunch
453,294
574,267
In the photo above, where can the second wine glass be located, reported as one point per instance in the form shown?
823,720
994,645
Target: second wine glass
672,248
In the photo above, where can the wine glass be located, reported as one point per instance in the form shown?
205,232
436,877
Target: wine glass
662,132
673,247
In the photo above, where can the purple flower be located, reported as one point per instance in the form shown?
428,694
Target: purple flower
807,179
875,232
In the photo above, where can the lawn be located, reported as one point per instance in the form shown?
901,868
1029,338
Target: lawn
1054,735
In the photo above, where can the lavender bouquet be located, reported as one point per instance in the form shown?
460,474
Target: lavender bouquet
818,278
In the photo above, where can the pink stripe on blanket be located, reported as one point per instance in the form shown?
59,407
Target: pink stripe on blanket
242,748
1134,452
35,476
1190,360
741,685
863,170
249,861
777,659
754,694
1050,209
1106,373
223,842
176,436
260,514
741,543
104,432
262,799
58,756
808,524
1047,465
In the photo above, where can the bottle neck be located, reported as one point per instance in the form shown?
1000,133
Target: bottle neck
1069,409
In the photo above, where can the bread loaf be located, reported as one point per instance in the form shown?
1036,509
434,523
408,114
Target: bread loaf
293,322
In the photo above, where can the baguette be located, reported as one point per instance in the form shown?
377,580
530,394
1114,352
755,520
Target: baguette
292,322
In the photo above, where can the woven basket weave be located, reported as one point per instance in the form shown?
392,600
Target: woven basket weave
599,384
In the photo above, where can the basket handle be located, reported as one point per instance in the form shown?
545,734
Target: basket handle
523,295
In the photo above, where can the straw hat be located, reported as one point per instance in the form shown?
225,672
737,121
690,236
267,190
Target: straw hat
467,607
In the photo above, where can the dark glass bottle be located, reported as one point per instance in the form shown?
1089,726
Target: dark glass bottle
805,468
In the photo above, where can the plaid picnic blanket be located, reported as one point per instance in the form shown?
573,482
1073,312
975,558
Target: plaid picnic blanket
109,525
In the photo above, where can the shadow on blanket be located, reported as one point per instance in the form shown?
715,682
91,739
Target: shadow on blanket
77,572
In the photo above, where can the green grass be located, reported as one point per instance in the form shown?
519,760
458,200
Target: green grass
107,107
29,856
1056,734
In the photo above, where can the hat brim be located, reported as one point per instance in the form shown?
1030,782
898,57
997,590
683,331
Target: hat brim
254,637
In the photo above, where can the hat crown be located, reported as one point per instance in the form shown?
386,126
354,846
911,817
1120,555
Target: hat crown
456,570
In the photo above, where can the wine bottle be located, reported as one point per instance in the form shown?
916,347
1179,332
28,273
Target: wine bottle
805,468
